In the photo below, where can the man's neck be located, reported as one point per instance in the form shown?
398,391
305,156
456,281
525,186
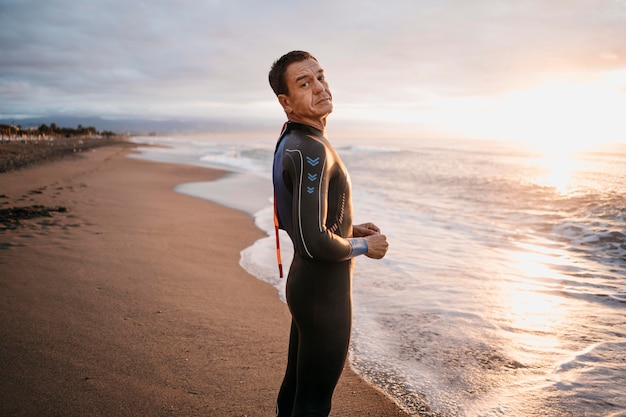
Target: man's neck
319,124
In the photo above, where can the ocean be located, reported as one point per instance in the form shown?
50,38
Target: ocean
504,289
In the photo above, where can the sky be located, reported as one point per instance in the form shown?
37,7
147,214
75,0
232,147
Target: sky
504,69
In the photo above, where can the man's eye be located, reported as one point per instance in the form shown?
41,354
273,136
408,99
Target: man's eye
306,84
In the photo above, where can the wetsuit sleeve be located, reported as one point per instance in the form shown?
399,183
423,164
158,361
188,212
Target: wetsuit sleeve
309,172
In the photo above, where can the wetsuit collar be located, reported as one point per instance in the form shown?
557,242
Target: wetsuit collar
306,128
289,126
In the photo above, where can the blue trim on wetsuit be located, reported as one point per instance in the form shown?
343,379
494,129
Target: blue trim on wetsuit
314,205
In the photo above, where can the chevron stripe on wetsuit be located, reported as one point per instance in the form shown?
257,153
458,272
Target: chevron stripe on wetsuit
313,204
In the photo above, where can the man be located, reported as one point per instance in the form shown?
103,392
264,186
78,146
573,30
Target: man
313,204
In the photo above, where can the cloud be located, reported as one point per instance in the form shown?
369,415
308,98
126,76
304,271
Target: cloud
185,57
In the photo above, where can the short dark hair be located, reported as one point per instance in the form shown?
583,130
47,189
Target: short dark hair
279,67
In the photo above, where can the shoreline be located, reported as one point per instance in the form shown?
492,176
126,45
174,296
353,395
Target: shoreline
133,302
23,153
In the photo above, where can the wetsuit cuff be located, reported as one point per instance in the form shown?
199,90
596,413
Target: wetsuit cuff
359,246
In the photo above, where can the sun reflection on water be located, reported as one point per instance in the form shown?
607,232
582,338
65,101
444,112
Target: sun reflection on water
564,168
531,296
558,172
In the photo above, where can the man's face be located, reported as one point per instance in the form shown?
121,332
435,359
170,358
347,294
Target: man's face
309,97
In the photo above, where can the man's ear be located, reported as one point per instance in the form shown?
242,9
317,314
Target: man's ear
283,99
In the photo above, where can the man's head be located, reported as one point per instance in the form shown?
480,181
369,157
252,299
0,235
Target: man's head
299,83
279,68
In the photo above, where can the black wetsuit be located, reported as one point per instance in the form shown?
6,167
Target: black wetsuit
313,204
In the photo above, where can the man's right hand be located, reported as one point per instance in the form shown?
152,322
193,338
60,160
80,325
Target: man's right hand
376,246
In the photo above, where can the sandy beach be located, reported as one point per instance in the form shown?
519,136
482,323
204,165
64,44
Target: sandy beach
121,297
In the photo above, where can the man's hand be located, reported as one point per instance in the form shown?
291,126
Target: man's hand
365,229
376,243
376,246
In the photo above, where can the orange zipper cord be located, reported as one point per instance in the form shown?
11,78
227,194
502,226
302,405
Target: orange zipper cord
280,262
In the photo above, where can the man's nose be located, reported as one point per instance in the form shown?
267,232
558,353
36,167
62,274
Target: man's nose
319,86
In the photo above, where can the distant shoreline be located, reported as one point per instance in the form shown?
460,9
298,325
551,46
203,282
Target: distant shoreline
22,153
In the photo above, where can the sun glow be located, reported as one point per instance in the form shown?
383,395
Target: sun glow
562,114
559,116
566,115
